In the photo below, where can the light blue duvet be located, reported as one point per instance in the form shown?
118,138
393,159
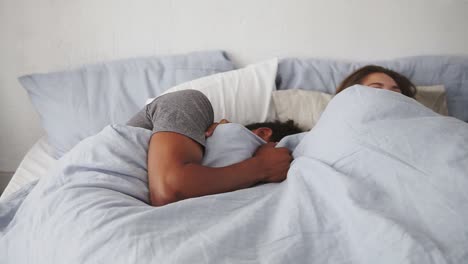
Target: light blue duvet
380,179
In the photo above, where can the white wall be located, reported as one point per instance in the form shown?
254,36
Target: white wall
47,35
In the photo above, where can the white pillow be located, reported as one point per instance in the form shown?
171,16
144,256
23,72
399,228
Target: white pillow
302,106
242,96
305,107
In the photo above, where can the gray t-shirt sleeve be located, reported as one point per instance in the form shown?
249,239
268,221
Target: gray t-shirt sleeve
187,112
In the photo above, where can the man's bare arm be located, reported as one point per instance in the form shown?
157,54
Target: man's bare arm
175,171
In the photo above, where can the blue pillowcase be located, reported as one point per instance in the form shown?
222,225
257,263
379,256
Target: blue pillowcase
75,104
325,75
232,143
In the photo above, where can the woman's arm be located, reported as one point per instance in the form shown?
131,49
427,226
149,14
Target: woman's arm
175,171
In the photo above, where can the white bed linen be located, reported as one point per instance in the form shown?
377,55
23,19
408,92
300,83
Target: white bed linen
35,164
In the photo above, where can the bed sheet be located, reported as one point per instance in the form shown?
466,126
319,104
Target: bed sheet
34,165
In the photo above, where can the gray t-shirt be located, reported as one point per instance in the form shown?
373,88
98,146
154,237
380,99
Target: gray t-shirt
187,112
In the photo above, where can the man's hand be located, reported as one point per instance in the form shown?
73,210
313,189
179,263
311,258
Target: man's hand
275,162
212,128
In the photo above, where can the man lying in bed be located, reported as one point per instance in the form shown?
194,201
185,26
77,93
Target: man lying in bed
180,122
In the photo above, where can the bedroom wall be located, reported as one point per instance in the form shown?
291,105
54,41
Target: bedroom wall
48,35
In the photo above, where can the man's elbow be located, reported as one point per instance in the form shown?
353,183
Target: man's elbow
164,193
160,197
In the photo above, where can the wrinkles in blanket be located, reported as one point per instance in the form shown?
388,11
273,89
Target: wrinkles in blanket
95,206
365,187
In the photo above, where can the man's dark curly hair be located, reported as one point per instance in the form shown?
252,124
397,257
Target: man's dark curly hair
280,129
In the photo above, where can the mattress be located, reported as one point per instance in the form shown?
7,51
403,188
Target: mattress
35,164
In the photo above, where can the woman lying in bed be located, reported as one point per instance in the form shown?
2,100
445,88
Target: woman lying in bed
180,122
381,78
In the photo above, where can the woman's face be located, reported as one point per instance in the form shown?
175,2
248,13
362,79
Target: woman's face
381,81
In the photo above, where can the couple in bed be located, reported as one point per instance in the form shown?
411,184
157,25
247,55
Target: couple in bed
182,120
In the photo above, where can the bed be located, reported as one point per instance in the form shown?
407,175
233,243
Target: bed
34,165
365,186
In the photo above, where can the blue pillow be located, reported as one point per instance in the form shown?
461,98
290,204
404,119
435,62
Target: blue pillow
75,104
325,75
232,143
